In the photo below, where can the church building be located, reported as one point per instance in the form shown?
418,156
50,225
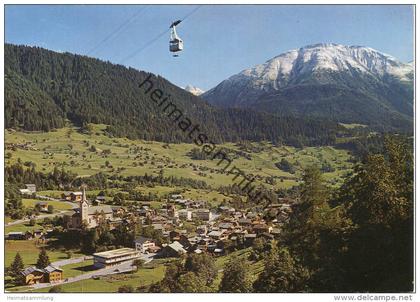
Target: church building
90,215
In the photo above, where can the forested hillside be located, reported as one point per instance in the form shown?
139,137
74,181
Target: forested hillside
44,89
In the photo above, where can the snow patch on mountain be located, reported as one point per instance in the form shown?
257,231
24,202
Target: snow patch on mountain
194,90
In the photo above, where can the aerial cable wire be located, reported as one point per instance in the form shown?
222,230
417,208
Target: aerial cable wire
139,50
117,30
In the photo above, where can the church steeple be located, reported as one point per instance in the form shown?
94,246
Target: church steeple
84,192
84,206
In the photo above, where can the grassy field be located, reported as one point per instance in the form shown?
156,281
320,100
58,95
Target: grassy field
75,269
29,251
23,227
72,150
58,205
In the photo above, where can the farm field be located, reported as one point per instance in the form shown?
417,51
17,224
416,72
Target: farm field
58,205
29,250
23,227
75,269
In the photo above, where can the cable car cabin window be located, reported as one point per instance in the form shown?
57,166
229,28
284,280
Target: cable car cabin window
176,45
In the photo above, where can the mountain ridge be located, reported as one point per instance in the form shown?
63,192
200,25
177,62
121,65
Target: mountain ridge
357,70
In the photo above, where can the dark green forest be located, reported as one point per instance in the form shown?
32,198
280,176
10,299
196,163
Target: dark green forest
45,89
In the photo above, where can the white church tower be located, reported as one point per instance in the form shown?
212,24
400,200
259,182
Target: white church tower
84,207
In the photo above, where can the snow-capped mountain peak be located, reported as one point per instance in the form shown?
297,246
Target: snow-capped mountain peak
194,90
332,81
295,64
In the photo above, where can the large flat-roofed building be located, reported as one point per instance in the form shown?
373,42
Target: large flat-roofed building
203,214
114,257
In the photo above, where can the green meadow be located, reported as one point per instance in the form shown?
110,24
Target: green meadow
88,154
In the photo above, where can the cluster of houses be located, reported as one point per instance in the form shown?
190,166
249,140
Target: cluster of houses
29,235
212,230
49,274
187,227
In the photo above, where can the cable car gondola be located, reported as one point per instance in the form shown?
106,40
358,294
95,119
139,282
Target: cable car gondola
175,43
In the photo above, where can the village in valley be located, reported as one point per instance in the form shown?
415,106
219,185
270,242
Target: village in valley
179,227
101,213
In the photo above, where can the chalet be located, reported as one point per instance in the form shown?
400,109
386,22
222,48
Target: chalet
226,226
223,209
249,238
182,202
100,199
175,249
31,188
154,249
174,235
211,246
203,244
226,210
144,244
276,232
245,222
185,214
261,228
217,235
32,275
76,196
176,196
201,230
118,211
114,221
197,204
159,219
53,274
144,211
72,196
185,241
218,252
66,196
37,233
25,192
114,257
42,206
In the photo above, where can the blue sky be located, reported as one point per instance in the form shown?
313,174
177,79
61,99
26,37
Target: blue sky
219,40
